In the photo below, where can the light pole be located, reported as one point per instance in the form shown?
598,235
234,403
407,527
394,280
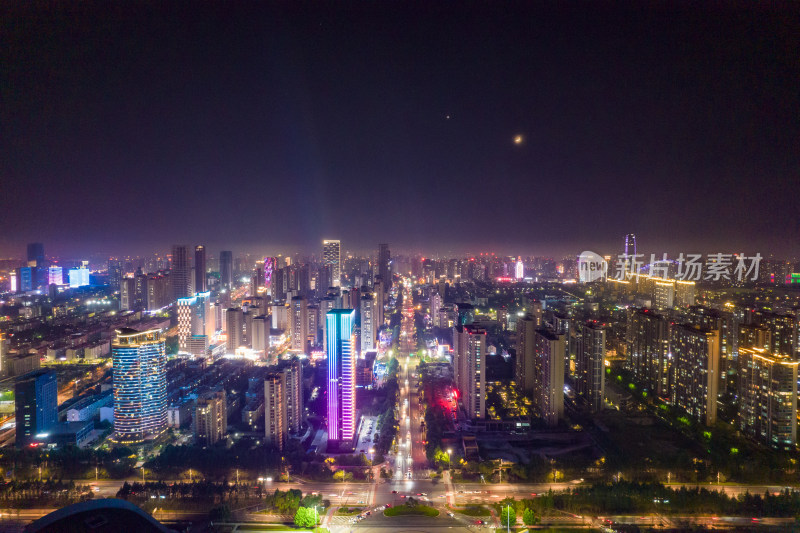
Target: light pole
315,516
449,466
508,519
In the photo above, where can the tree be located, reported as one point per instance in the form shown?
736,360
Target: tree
221,513
304,517
508,516
529,518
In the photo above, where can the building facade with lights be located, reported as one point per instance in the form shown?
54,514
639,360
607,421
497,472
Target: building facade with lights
140,385
341,376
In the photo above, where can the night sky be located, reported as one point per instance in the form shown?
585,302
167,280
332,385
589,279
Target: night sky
129,128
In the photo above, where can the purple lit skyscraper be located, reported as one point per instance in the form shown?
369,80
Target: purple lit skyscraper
341,375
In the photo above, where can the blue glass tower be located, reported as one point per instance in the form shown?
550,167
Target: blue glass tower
341,375
36,401
140,385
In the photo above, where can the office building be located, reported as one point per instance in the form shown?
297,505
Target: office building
548,371
695,356
36,405
648,351
36,255
332,256
200,273
140,385
298,318
181,273
341,376
767,397
469,368
211,418
590,368
55,275
78,277
195,317
275,424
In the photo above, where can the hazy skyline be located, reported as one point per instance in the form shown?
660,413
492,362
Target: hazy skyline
130,128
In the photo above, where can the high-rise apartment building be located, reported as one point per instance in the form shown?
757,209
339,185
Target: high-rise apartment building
180,275
332,256
298,322
226,269
200,280
648,351
368,330
292,376
210,418
469,368
726,324
36,405
768,397
341,376
140,384
524,375
695,355
590,364
548,371
234,324
275,424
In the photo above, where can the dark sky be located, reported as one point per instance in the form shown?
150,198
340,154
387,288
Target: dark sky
132,127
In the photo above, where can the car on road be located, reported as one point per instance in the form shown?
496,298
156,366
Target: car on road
394,492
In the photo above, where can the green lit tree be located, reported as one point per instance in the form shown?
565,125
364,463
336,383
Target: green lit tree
304,517
529,518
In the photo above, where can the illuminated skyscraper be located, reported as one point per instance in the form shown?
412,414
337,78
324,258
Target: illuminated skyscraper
469,368
200,281
181,272
36,404
270,265
78,277
332,255
341,376
55,275
35,254
195,318
140,385
226,269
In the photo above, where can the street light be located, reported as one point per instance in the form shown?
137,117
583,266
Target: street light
508,519
449,466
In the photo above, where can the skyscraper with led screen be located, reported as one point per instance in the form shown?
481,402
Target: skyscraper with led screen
140,385
341,376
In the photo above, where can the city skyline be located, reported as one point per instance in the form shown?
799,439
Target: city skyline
347,124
